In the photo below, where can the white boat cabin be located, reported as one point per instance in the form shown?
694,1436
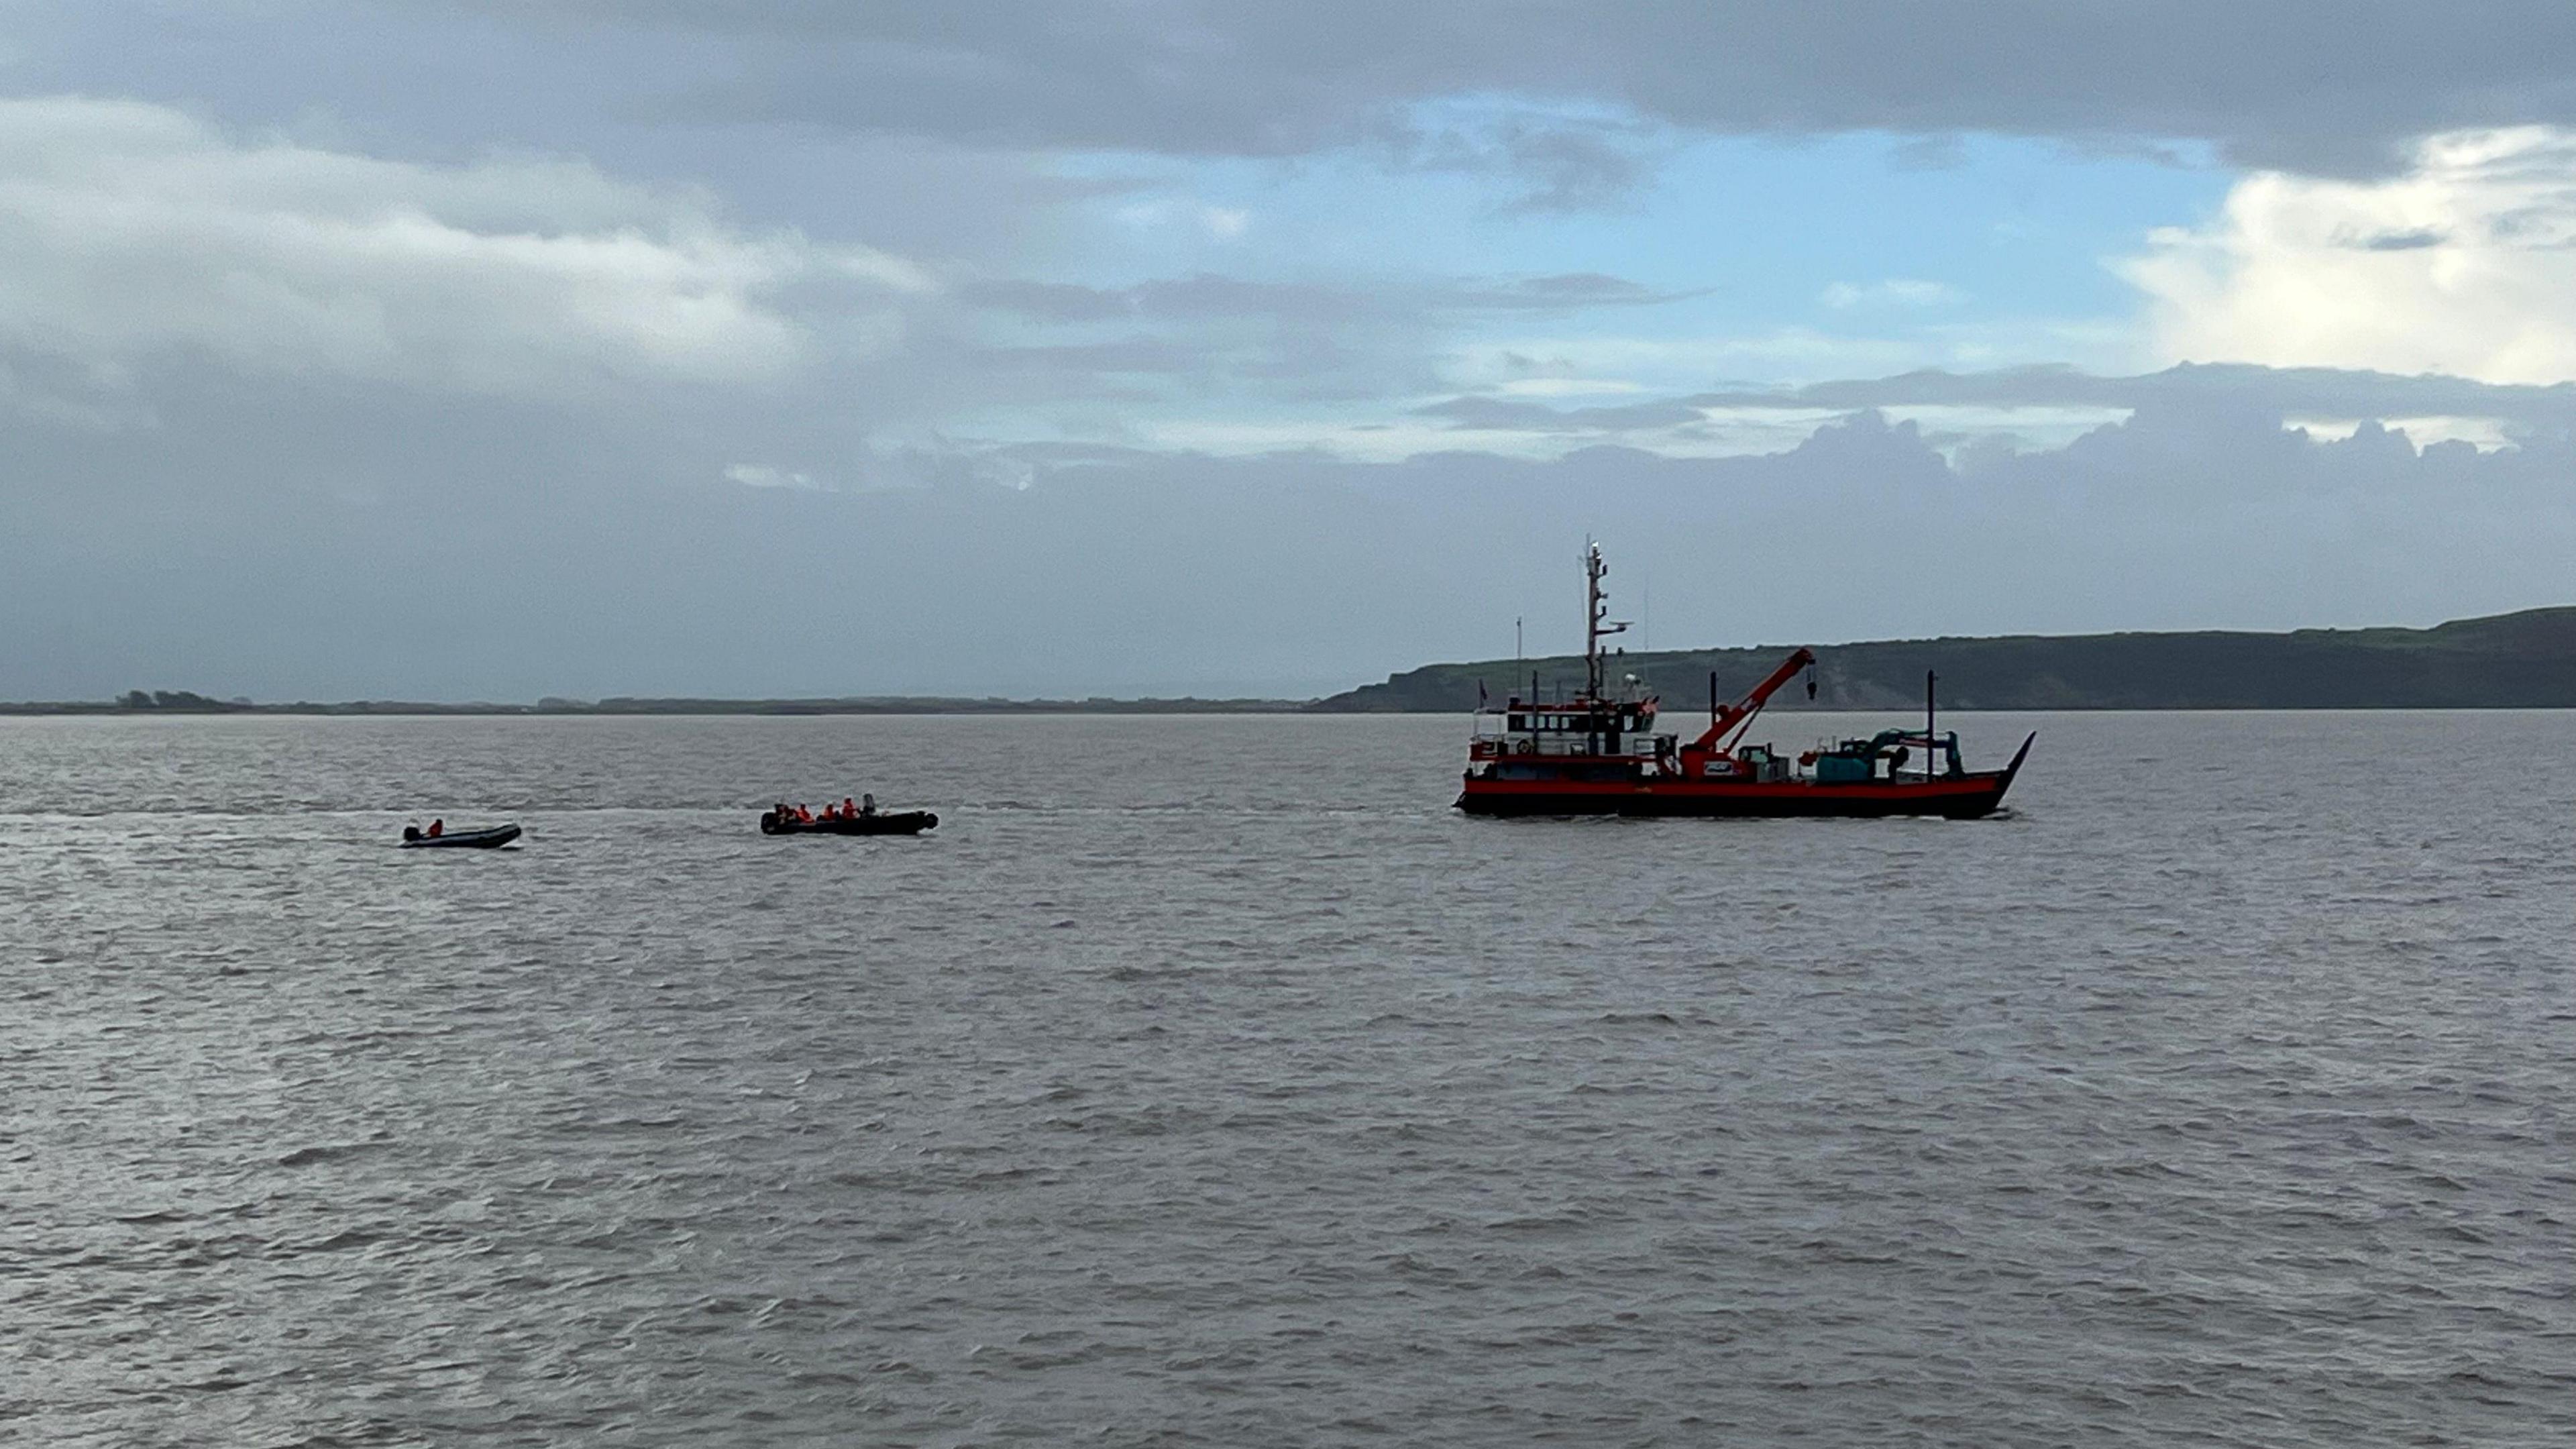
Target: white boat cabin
1594,731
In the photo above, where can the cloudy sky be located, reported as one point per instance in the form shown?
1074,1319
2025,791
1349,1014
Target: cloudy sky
487,350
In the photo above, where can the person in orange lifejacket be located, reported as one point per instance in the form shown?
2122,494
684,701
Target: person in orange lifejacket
437,828
804,816
849,808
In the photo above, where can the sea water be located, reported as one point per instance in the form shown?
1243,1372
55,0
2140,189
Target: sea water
1210,1080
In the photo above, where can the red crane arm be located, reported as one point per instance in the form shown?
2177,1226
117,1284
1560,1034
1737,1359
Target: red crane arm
1751,704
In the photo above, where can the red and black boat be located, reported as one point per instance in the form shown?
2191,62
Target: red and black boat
1598,755
870,822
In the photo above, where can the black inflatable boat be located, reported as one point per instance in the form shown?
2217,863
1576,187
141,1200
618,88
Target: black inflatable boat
884,822
484,839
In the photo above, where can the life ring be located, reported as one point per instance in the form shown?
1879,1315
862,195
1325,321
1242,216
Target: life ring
1526,747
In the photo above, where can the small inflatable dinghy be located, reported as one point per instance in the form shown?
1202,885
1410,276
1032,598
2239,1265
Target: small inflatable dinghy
884,822
484,839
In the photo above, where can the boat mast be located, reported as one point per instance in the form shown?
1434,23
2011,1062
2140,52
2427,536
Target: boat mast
1593,609
1597,623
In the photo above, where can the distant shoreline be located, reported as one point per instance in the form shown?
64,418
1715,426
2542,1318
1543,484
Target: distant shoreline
2524,660
182,703
765,709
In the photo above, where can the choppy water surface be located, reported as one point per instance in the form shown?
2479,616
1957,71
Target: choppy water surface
1209,1080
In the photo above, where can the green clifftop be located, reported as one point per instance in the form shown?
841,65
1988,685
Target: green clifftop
2524,660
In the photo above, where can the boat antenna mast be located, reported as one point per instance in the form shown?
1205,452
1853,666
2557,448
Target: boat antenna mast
1597,623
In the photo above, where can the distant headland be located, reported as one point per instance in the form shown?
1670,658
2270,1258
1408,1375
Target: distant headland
2508,661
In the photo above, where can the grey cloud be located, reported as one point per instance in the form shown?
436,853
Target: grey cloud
1939,151
1048,301
1206,294
1268,361
1129,354
1573,169
1584,287
1563,163
1198,297
1571,290
1201,77
2401,241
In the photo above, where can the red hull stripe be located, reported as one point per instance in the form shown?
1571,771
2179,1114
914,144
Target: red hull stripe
1967,785
1963,798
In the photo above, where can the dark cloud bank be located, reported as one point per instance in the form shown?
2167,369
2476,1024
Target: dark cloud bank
2313,85
2317,86
444,550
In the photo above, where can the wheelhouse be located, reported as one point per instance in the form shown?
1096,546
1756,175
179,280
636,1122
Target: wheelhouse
1599,738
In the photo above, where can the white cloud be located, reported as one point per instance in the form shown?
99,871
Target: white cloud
2484,434
761,475
1717,433
1568,387
2465,264
1688,364
1892,292
1224,223
132,231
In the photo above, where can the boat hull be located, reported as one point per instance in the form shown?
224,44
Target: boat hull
1955,797
1542,797
491,839
890,822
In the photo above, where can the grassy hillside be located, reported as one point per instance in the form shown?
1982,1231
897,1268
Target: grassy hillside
2511,660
